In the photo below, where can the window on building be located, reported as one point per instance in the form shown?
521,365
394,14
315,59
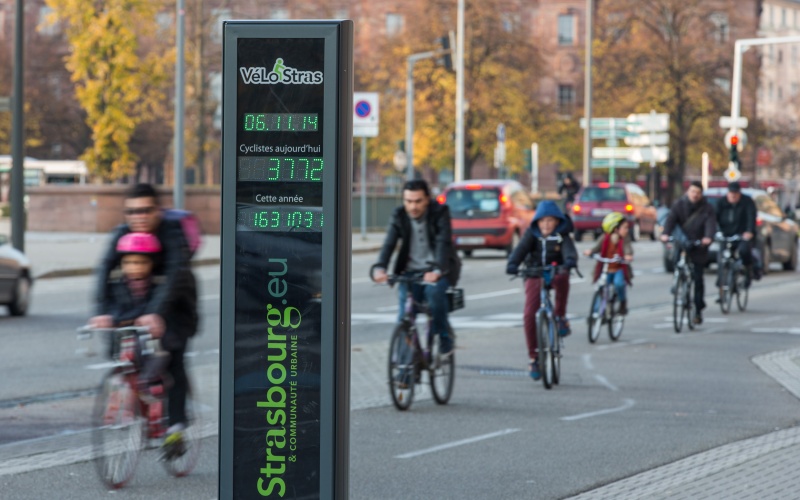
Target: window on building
566,99
723,83
794,55
783,18
780,56
164,21
219,15
721,27
770,91
341,13
780,93
795,89
394,24
280,13
46,26
566,29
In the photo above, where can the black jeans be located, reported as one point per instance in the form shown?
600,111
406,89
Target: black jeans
745,251
698,257
176,405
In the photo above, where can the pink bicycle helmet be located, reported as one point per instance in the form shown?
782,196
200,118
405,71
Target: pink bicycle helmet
144,243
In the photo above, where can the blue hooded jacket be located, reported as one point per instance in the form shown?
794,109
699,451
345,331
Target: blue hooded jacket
561,250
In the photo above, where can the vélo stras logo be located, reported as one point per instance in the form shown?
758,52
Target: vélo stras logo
280,74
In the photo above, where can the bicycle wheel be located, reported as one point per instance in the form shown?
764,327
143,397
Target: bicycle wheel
545,354
678,296
616,323
742,290
688,305
557,343
726,289
181,463
442,372
595,317
119,432
401,367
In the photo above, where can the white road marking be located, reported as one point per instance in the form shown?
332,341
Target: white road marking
790,331
628,403
457,443
604,382
587,361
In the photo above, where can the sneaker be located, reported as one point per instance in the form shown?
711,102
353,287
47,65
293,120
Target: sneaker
403,379
533,370
623,308
445,345
698,319
174,445
563,327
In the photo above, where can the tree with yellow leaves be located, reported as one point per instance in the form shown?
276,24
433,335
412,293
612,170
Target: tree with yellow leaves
119,78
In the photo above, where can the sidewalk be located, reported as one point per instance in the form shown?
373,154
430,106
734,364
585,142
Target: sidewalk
758,468
55,254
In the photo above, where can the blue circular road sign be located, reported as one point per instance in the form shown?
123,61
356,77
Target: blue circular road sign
363,109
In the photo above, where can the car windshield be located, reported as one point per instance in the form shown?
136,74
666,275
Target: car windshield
470,203
603,194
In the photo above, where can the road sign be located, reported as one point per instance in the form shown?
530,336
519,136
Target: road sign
500,155
606,123
730,122
399,160
648,122
365,114
602,152
612,133
658,154
611,162
732,174
501,133
287,113
763,157
647,139
741,134
5,104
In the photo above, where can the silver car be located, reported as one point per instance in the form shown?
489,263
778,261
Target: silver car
15,278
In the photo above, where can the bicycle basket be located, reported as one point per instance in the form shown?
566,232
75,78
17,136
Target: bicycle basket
455,299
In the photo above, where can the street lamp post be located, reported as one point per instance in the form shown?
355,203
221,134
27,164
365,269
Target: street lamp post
17,137
458,175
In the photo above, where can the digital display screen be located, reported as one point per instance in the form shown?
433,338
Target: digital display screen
278,266
282,219
280,122
280,169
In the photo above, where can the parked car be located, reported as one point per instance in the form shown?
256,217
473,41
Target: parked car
487,213
776,233
598,200
15,279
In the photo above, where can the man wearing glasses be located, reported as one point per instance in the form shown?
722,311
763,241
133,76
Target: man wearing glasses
143,215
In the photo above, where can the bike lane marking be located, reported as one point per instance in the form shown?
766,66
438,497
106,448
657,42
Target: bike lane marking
627,404
455,444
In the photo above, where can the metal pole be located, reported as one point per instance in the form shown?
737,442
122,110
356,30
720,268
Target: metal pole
534,168
17,136
459,170
587,97
410,120
177,188
704,171
363,188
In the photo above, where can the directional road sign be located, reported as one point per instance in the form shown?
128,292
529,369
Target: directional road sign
648,122
612,133
730,122
648,139
657,154
611,162
601,152
606,123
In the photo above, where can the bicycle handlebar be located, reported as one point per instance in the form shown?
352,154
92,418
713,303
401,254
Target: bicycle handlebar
615,260
727,239
685,243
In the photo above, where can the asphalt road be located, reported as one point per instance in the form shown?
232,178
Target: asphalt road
649,399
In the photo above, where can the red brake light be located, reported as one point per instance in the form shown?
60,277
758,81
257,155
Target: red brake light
576,208
629,208
473,187
504,199
441,199
603,184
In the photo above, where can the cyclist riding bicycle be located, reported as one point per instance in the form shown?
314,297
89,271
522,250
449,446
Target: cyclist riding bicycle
545,242
128,294
736,216
615,243
695,216
423,227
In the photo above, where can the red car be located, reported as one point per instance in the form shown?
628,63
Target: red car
594,202
487,213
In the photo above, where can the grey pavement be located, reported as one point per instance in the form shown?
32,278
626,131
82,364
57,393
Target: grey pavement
762,467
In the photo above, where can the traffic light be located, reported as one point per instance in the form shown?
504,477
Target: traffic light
734,154
447,58
528,160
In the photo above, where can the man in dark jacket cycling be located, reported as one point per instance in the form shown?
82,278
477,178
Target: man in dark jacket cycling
423,227
695,216
736,215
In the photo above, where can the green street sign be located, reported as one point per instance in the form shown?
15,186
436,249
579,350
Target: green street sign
613,163
615,133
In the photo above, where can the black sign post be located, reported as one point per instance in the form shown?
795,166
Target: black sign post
286,237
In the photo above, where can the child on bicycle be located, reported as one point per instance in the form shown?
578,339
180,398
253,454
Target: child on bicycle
545,242
126,300
615,243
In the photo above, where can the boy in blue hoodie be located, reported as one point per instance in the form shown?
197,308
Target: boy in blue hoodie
546,241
